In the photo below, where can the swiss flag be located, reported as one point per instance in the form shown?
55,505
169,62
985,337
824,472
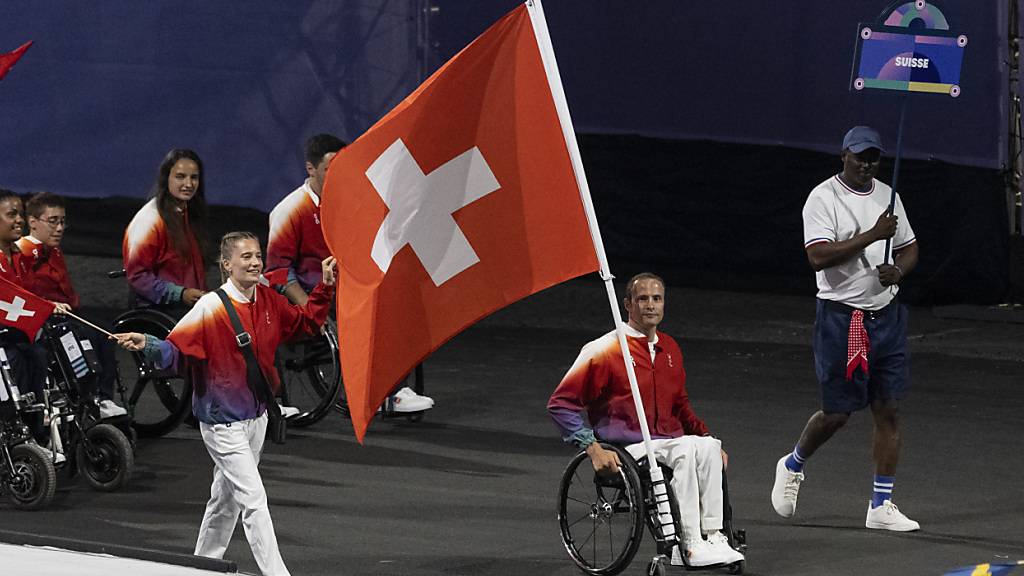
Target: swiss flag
8,60
22,309
458,202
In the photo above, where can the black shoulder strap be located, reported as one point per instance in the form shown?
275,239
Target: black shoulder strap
256,379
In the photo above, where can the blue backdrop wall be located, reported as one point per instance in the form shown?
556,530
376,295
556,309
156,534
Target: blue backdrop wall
109,86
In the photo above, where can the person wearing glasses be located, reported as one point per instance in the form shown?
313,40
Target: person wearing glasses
49,278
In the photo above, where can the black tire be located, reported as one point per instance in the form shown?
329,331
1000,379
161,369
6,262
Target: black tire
157,400
35,480
105,458
656,567
310,372
601,519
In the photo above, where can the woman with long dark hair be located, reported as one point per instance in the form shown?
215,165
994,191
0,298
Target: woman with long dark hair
164,243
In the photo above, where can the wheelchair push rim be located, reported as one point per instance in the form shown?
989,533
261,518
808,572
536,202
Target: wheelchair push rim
601,518
310,373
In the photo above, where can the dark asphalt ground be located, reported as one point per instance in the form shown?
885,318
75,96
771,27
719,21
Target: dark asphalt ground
471,489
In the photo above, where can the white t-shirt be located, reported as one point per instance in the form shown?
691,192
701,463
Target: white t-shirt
835,212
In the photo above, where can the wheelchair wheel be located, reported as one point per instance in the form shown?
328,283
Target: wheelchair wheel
33,480
601,518
310,372
105,458
156,399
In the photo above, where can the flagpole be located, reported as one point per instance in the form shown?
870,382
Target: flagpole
86,322
547,54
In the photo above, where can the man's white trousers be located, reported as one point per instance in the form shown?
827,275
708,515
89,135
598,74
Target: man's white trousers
238,489
696,463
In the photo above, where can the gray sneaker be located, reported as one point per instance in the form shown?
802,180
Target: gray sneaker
786,489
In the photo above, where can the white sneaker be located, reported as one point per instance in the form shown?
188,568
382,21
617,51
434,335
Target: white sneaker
786,489
701,553
405,400
888,517
289,411
110,409
720,542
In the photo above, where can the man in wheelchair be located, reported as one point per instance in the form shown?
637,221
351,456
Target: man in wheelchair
597,385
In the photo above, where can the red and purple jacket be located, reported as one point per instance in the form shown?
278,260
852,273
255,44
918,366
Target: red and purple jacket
156,273
296,241
597,386
49,272
221,393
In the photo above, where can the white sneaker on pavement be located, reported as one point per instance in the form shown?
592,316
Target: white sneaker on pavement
720,542
110,409
405,400
888,517
702,553
786,489
289,411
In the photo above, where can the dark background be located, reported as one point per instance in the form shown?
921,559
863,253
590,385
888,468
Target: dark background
703,125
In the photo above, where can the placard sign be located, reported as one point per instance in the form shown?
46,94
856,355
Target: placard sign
909,49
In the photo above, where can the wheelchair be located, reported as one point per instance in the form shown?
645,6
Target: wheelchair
602,517
310,372
98,449
27,476
157,400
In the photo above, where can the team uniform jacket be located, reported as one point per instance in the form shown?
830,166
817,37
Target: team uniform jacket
156,273
296,241
222,394
49,272
598,386
17,268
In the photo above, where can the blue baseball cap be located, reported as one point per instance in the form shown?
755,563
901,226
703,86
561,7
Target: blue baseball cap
860,138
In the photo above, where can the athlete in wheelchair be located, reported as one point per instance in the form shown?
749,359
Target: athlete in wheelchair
607,493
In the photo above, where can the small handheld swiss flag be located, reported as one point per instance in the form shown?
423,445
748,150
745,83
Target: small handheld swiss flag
22,309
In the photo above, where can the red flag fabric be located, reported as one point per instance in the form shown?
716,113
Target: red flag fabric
22,309
457,203
8,60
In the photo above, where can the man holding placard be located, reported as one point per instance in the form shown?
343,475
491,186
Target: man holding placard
860,332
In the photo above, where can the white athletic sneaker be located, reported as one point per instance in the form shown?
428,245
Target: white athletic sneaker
110,409
786,489
289,411
703,553
888,517
405,400
720,542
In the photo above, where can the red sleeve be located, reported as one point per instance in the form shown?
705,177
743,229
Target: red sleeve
301,321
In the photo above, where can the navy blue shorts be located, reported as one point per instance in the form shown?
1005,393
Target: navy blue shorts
888,358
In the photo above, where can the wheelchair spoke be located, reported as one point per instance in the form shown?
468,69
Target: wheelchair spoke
578,501
576,521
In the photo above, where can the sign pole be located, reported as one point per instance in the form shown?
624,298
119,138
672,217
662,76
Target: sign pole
896,169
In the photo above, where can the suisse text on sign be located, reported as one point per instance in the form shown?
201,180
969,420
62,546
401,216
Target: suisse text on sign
912,61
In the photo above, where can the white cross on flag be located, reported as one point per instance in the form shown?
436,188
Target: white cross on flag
22,309
460,201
